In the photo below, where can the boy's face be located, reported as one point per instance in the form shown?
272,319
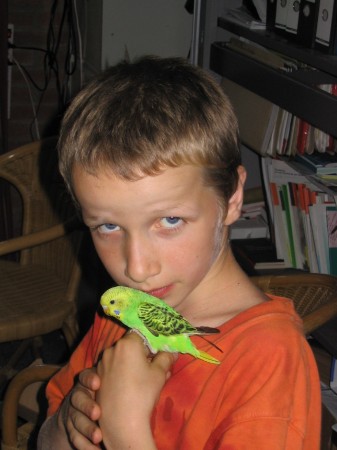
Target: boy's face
161,234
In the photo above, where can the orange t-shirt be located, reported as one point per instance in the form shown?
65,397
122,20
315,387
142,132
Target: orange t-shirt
264,395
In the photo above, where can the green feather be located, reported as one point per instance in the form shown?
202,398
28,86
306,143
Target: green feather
159,319
163,328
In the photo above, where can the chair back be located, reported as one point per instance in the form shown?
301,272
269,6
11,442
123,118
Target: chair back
33,170
314,295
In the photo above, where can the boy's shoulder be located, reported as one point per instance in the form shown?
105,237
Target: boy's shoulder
274,317
267,331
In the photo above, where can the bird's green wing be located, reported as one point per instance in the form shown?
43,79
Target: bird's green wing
163,320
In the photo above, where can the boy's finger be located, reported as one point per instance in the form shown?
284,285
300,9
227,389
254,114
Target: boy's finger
82,401
164,360
90,379
136,337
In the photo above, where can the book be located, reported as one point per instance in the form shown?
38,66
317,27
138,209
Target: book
254,209
297,226
285,202
302,136
242,16
280,235
319,163
331,220
249,228
270,265
260,253
256,116
317,212
261,9
310,248
284,132
305,236
292,142
323,141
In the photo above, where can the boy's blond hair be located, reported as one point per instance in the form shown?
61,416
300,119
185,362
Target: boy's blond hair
138,118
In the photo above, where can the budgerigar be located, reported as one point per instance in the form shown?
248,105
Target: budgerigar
162,328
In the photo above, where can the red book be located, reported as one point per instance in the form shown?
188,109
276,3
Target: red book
302,136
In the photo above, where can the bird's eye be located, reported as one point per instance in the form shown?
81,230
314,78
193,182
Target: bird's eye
112,302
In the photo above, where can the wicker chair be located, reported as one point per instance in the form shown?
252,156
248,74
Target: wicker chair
38,292
314,296
22,400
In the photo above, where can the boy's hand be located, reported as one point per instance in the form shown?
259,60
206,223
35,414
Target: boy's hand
80,412
131,383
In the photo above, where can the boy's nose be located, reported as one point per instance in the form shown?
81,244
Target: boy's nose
141,260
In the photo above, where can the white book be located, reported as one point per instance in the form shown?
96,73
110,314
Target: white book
317,214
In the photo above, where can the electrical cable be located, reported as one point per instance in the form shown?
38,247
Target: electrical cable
53,43
26,71
79,39
30,96
60,23
70,62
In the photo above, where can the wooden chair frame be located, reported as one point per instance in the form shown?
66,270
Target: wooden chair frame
38,292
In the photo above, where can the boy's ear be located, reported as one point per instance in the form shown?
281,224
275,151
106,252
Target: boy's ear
236,200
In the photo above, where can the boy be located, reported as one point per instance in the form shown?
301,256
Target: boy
150,153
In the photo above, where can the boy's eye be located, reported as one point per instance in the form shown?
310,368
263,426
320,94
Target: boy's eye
108,228
171,222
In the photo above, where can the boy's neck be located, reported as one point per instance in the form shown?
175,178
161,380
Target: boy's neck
223,296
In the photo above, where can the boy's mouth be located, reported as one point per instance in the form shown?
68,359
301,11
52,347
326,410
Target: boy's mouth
160,292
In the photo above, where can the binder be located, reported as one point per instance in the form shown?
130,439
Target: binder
307,21
281,15
271,13
326,26
293,9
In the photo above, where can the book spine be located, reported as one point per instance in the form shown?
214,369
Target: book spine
280,234
302,137
286,208
331,218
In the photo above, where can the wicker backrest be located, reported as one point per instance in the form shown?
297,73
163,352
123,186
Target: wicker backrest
314,295
32,169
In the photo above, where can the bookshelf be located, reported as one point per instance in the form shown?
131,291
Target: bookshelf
294,91
297,93
273,41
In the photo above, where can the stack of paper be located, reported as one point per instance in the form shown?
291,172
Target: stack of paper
252,224
242,16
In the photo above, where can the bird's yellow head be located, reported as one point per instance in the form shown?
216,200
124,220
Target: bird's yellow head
110,302
115,301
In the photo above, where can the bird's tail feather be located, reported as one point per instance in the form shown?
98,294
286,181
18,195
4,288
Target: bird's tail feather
207,330
208,358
